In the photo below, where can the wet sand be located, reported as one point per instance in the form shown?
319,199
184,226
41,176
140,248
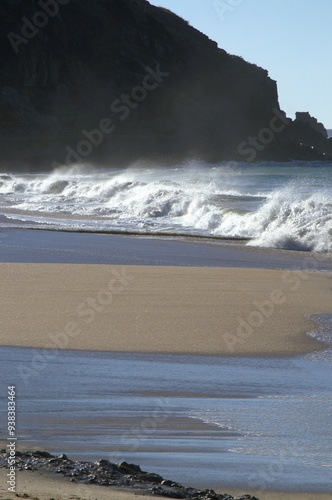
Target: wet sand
222,311
32,246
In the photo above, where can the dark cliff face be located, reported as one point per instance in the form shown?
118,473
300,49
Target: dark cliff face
119,80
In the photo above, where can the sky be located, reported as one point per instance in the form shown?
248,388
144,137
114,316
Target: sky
292,39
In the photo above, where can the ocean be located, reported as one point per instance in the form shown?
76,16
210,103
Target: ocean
273,205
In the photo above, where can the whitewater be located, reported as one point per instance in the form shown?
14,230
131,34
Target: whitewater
276,205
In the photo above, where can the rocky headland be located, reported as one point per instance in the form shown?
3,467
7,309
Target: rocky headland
114,81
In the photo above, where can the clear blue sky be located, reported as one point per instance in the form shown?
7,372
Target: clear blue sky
292,39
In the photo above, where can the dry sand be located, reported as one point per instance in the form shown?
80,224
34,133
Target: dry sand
45,487
161,309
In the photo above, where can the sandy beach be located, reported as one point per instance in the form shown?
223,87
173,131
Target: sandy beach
222,311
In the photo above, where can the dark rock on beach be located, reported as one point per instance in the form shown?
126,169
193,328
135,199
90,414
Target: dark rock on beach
105,473
120,80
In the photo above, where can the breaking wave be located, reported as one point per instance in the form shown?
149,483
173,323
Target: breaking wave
281,206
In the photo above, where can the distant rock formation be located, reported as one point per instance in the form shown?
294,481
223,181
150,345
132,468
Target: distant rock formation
310,120
311,135
114,81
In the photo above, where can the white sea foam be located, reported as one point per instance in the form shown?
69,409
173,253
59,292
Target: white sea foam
293,219
282,206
